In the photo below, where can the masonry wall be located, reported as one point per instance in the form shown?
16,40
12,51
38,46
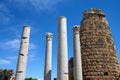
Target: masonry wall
99,56
71,66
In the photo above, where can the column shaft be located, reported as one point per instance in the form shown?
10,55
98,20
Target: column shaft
62,65
23,53
48,57
77,55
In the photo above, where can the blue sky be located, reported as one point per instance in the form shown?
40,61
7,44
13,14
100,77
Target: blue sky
42,16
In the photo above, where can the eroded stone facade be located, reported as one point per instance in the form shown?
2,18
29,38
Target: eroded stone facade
70,65
99,56
119,72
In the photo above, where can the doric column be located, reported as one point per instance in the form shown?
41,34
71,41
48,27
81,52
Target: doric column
48,57
62,64
23,53
77,55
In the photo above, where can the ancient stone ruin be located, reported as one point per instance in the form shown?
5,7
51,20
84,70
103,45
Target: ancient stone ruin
95,55
99,58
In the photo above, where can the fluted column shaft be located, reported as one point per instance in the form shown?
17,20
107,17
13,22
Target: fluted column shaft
23,53
48,57
62,64
77,55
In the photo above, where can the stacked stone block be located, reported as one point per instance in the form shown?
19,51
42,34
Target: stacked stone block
119,72
99,57
70,65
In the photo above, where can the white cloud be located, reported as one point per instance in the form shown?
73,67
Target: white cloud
45,4
3,8
38,4
32,46
19,1
31,57
4,62
40,79
4,14
13,58
15,44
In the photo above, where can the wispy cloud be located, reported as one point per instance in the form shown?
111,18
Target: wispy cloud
38,4
12,57
40,79
5,15
31,57
3,8
45,4
4,62
32,46
12,44
15,44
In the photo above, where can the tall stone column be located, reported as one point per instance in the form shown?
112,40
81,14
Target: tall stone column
23,53
62,64
77,55
48,56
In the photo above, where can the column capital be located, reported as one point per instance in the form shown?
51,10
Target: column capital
49,35
76,29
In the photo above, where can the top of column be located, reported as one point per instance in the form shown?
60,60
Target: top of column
26,31
61,17
76,29
49,35
26,26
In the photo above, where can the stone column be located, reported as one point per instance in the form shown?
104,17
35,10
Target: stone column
23,53
77,55
48,57
62,64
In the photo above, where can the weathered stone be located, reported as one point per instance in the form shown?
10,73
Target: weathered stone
48,57
96,35
99,58
23,54
62,65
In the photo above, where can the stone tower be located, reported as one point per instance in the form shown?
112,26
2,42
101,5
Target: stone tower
99,56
